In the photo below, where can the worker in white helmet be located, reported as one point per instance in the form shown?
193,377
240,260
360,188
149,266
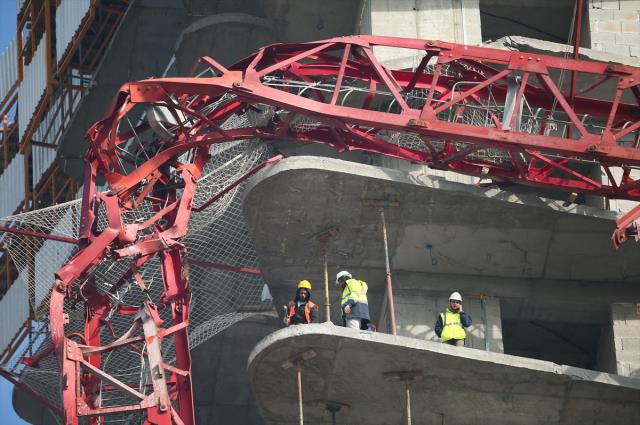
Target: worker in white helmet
354,304
452,322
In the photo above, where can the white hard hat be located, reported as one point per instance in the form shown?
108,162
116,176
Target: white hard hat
456,296
342,274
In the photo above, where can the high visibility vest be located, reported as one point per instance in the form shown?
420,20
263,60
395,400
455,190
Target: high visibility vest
355,290
451,326
307,310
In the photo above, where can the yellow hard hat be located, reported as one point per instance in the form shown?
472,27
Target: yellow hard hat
304,284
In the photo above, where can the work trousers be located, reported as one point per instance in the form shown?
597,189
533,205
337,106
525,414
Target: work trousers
353,323
456,342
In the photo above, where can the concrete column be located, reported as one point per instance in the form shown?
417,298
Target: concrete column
417,312
625,320
457,21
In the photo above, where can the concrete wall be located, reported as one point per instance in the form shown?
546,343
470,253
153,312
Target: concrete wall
447,20
625,320
220,382
615,26
548,20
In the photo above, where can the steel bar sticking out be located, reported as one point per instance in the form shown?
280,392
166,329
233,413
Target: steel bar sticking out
472,110
392,311
299,379
407,390
327,303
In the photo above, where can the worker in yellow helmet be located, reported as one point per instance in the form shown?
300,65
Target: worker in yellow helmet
301,310
452,321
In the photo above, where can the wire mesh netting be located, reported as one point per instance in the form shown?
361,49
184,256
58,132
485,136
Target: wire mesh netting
217,234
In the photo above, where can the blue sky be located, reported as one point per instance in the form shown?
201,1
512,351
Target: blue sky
7,33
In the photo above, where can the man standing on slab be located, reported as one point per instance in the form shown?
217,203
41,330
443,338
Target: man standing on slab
452,322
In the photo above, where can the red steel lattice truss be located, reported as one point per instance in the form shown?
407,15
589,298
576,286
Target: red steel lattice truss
494,114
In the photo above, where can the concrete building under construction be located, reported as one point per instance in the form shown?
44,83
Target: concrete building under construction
488,147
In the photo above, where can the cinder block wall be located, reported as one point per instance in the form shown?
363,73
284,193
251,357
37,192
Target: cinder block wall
625,320
615,26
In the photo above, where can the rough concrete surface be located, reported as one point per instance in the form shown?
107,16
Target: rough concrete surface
453,385
493,237
220,381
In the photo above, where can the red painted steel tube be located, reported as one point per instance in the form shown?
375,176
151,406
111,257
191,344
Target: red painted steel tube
39,235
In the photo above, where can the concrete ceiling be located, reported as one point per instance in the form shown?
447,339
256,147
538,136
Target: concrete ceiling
440,228
453,385
467,230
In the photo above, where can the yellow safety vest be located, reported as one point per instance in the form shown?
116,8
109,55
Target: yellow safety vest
451,326
355,290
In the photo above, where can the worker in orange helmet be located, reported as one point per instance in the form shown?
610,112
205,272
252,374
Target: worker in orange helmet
301,310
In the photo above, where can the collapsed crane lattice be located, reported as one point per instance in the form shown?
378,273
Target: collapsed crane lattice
176,151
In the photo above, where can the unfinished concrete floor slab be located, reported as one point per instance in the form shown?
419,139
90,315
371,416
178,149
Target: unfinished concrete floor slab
453,385
554,259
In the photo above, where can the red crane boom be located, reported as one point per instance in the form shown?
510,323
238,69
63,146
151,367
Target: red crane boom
494,114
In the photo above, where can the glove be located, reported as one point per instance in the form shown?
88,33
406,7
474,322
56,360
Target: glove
285,320
347,309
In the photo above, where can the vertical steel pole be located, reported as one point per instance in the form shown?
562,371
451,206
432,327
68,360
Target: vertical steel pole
299,370
486,322
327,305
576,47
5,142
392,312
408,395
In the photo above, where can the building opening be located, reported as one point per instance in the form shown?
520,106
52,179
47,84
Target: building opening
559,342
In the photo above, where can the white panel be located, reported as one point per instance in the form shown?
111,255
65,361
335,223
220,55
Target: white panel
41,159
50,131
69,16
12,186
8,68
32,86
14,311
19,4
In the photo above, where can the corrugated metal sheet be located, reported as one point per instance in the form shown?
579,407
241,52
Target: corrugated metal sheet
8,68
19,4
12,186
32,86
69,15
50,131
14,311
41,159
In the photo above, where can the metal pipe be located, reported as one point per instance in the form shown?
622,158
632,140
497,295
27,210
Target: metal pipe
40,235
392,312
299,370
5,142
486,322
327,305
408,395
576,48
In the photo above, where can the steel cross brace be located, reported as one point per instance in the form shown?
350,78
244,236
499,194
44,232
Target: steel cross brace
352,101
